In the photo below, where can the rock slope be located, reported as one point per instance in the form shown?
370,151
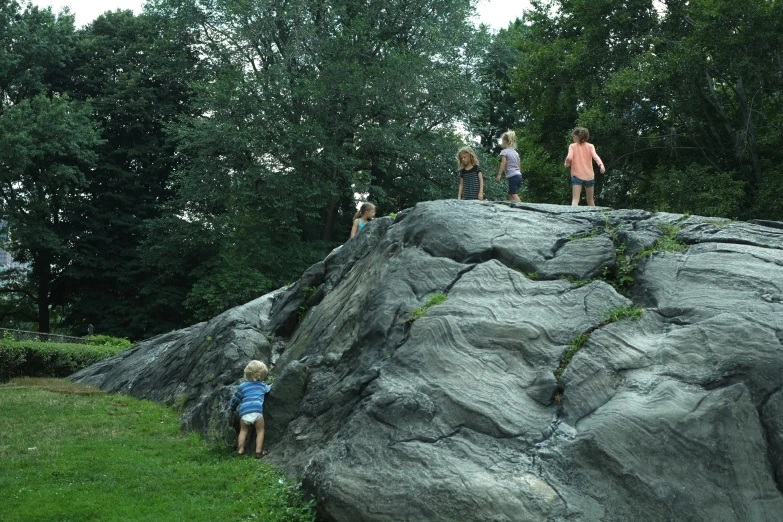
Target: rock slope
665,333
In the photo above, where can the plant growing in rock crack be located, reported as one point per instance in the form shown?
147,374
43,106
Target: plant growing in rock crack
623,312
307,293
577,282
621,279
613,315
421,311
668,243
721,223
608,229
573,347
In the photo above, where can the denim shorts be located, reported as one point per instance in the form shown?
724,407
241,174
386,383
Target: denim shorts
586,182
513,183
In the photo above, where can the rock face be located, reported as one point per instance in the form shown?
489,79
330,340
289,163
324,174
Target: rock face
453,411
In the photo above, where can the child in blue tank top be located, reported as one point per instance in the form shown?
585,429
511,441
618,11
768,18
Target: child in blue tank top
365,214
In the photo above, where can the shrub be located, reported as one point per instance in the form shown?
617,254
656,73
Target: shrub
107,340
37,359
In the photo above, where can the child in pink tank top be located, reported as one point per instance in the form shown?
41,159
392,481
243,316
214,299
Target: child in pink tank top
580,158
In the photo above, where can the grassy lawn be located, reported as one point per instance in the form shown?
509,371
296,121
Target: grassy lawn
71,453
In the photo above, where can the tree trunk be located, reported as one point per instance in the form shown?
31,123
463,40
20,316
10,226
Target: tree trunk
331,216
750,132
43,272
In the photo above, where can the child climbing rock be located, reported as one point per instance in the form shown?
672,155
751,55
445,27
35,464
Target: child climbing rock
249,397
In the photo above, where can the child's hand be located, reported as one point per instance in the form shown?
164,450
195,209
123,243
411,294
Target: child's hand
603,169
498,178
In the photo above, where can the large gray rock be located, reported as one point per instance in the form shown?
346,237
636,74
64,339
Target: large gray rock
455,414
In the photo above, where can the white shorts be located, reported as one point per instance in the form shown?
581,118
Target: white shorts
251,418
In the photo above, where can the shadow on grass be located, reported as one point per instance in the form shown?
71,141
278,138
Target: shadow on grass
52,385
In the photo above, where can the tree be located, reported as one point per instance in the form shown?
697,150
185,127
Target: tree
137,75
667,89
46,145
306,105
35,50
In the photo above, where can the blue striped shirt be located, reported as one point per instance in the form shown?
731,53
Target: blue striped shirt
249,397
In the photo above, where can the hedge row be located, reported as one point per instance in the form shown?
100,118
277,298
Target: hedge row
38,359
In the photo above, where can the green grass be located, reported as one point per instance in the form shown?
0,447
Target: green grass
421,311
668,243
573,347
71,453
612,316
577,282
624,312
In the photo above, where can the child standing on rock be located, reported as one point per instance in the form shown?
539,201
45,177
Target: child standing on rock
471,180
509,162
580,158
249,397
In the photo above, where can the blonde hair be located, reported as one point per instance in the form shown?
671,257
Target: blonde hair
582,134
256,371
509,137
469,151
366,207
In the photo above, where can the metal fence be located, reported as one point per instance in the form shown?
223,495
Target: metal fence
24,335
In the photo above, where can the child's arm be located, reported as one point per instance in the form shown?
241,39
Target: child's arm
570,155
355,227
597,159
235,401
461,184
502,167
481,185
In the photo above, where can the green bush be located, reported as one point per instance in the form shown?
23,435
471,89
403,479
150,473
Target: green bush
37,359
107,340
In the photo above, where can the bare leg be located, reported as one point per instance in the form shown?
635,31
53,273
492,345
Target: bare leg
513,197
243,429
589,191
576,192
259,436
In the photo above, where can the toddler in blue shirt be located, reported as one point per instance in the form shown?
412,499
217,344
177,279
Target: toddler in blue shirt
249,397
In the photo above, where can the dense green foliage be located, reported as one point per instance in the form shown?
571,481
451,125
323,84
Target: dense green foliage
72,454
157,169
107,340
44,359
307,104
137,75
683,100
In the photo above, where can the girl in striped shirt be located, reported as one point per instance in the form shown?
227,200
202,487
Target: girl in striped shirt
471,181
